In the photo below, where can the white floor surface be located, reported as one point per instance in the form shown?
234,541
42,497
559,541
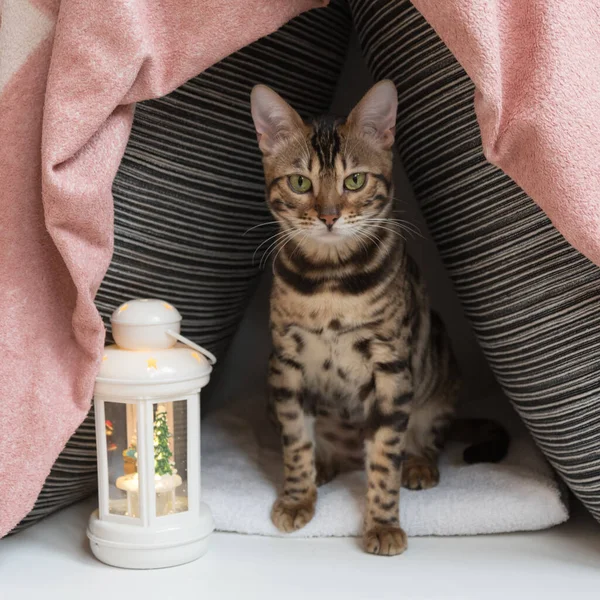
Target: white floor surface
52,561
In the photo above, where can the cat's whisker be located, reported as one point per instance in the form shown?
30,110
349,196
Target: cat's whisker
282,247
355,235
391,219
261,225
270,238
277,245
365,233
406,223
405,229
394,231
299,244
276,235
273,248
397,211
406,226
282,237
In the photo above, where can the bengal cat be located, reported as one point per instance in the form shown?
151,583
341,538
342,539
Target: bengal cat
362,372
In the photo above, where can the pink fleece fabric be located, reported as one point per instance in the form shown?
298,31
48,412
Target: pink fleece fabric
536,68
70,73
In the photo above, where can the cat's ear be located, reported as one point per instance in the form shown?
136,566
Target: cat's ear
375,114
274,118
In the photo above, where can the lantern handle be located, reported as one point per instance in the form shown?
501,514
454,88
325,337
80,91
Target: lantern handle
212,359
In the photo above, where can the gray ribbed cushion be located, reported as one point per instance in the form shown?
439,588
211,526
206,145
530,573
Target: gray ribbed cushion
533,300
189,187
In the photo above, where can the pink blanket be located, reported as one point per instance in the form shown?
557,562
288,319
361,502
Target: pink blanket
70,73
536,67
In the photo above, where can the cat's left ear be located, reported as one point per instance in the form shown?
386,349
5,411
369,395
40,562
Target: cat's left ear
274,119
375,114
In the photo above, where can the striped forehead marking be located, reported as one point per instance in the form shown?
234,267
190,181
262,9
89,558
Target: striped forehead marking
326,141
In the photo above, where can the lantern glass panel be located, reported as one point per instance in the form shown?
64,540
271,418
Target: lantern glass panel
121,447
170,457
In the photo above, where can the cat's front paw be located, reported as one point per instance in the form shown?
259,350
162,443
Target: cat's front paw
290,516
419,473
385,541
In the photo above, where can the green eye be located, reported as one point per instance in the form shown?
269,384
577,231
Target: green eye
355,181
299,183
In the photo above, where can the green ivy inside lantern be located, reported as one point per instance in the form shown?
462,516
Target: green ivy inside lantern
162,452
163,465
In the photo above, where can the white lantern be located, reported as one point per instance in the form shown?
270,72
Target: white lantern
147,407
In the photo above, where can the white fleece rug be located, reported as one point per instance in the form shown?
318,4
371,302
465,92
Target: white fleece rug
242,470
242,467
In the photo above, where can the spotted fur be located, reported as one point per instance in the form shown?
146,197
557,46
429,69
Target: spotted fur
362,374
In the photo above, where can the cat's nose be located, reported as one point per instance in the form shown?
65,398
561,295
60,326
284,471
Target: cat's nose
329,220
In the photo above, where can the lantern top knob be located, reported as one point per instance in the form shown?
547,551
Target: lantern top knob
142,324
146,311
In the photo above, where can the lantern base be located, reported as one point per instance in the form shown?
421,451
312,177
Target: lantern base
134,547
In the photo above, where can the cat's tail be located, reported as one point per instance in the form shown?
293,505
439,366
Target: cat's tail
488,440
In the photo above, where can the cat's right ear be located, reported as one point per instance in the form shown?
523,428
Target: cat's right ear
274,119
375,114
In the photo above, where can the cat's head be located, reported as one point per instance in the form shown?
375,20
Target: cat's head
329,180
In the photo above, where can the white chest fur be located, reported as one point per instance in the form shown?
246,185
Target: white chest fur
332,366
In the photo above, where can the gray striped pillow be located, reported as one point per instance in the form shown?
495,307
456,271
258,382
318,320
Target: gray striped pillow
533,300
188,189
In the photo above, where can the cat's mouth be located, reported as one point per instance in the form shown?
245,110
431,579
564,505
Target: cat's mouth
334,235
319,233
